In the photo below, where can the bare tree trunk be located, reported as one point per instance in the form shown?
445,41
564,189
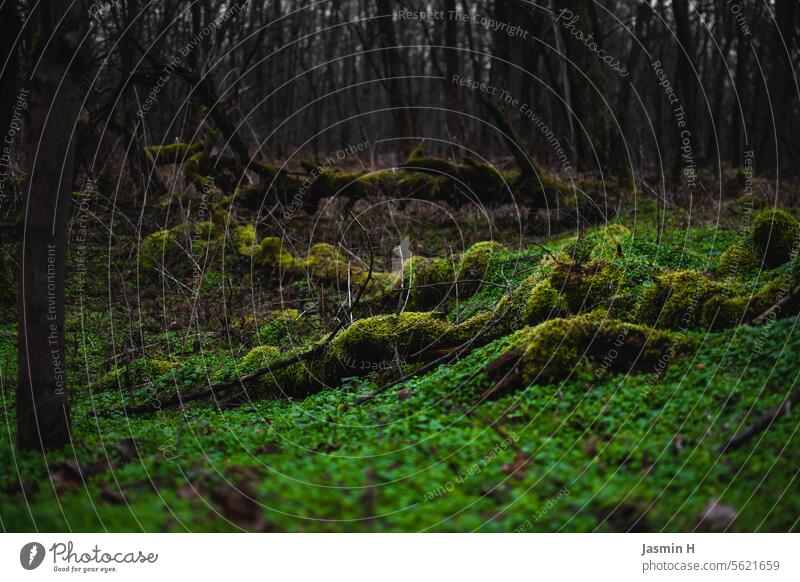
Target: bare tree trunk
451,65
9,58
391,69
740,104
42,409
587,87
781,86
685,85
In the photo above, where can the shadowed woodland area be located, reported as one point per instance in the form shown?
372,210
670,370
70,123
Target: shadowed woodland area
388,265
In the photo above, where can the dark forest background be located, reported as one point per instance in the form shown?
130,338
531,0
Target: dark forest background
284,79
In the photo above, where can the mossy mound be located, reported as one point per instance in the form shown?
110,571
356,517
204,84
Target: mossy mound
294,380
587,286
544,302
726,311
737,260
285,328
605,243
549,352
325,263
184,246
429,280
473,331
479,263
136,373
275,257
159,247
511,312
722,312
384,337
245,240
675,299
432,280
775,234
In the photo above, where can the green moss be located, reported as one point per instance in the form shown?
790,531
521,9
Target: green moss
435,165
470,329
245,240
587,286
510,313
136,373
544,302
430,280
159,246
376,339
725,311
259,357
274,256
205,238
294,380
775,234
334,183
772,293
610,242
285,327
737,260
197,169
326,263
604,243
549,352
418,152
676,299
721,312
447,180
174,153
478,264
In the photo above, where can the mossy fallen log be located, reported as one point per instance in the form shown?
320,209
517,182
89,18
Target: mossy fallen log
550,352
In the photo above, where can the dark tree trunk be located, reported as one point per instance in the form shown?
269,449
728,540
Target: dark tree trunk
587,88
451,65
9,59
740,104
781,87
391,70
685,84
42,409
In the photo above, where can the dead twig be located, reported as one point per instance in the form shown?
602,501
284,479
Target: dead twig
761,424
778,307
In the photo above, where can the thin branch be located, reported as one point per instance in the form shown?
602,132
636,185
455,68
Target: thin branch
778,307
761,424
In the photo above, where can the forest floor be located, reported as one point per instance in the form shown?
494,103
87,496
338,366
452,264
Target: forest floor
620,425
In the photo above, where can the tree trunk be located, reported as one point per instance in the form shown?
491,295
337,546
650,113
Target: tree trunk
42,409
685,86
451,65
740,104
401,118
587,87
9,57
781,87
